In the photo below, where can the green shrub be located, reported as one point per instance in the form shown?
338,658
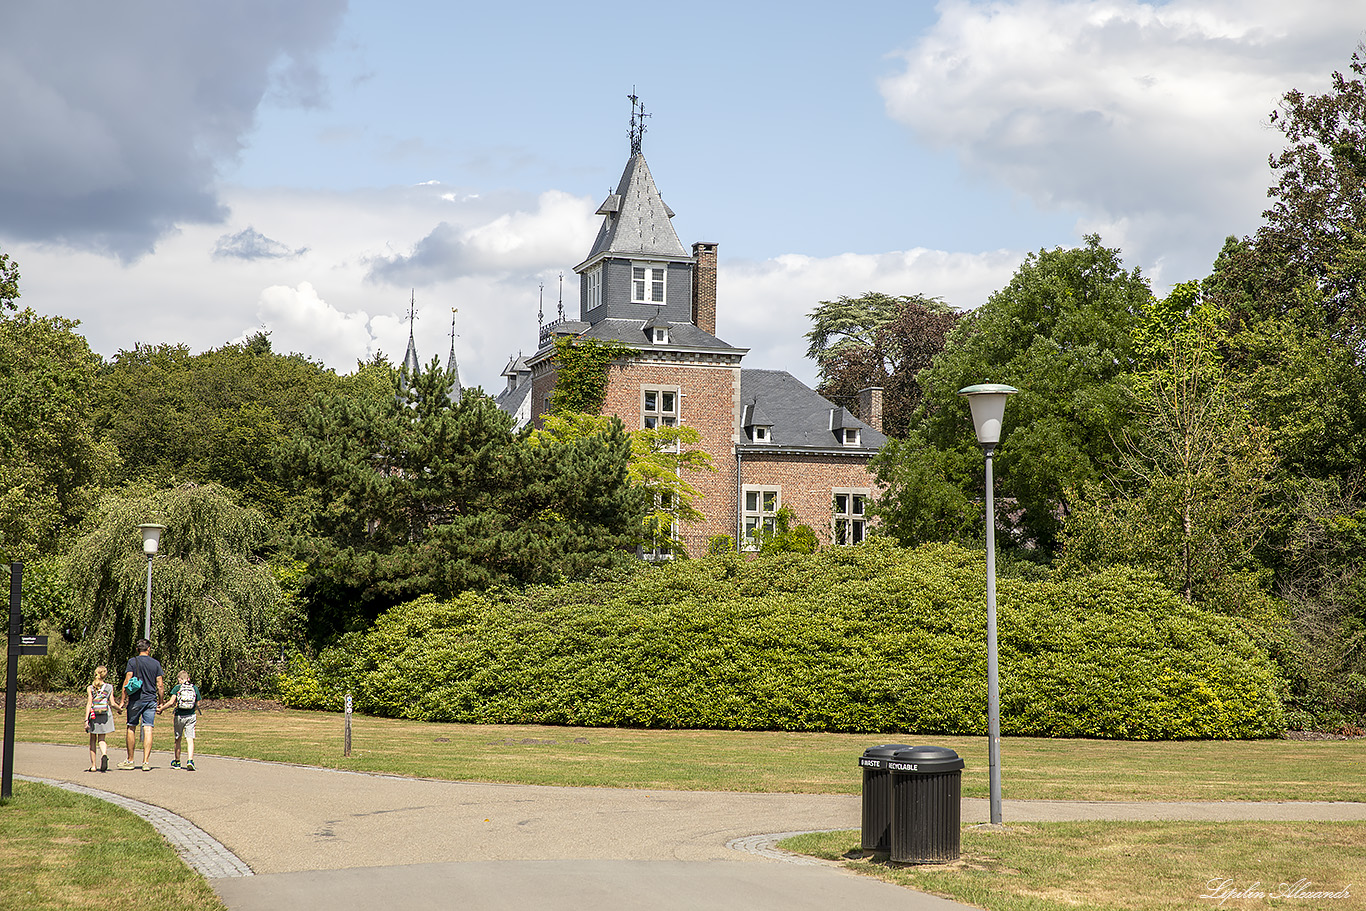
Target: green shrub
870,638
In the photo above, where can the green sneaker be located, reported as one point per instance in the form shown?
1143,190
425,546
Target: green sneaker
189,766
175,763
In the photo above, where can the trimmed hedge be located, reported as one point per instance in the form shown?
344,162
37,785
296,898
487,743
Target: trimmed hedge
869,639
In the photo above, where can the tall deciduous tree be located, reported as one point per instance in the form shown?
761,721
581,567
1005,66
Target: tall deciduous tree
216,416
1191,495
411,494
52,464
1061,332
878,340
9,283
213,596
1317,222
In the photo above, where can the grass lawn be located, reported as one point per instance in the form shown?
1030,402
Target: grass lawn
1032,768
61,851
1143,866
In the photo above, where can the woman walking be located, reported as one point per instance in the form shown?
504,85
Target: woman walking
99,720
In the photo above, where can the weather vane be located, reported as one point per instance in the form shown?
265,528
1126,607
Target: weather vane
638,116
412,309
540,307
560,305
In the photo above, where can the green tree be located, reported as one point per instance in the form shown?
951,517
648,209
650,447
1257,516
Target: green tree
1062,332
52,464
878,340
9,283
214,597
410,494
219,416
1191,491
662,458
1317,222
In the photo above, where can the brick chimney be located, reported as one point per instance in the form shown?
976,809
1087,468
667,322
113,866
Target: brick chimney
870,407
704,286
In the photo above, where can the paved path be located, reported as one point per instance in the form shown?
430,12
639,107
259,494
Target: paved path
319,838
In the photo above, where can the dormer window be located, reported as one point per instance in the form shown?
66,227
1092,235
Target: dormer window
761,433
661,335
849,436
647,283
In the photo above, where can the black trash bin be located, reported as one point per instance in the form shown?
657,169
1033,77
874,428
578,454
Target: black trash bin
877,796
927,798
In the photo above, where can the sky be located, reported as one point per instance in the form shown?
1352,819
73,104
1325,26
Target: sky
184,172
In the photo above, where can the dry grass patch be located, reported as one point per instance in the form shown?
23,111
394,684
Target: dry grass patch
1149,866
67,852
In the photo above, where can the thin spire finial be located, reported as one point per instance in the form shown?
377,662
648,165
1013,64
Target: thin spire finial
540,306
638,116
561,303
412,311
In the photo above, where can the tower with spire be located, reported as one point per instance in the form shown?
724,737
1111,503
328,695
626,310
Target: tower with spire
772,440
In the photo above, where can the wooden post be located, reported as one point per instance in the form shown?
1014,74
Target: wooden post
346,742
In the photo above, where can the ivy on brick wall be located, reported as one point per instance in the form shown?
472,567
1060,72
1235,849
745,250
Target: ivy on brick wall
582,365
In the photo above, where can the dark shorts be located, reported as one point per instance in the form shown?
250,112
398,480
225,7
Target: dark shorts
144,713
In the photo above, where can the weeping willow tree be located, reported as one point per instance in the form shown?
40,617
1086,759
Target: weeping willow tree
212,597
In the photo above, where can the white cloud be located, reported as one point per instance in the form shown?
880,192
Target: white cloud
1147,120
764,305
559,229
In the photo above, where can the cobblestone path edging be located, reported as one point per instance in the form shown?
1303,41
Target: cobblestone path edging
204,853
767,846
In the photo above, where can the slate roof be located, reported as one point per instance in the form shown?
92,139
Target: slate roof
799,416
635,219
512,400
632,332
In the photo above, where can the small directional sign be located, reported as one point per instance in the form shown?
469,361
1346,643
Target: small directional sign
28,645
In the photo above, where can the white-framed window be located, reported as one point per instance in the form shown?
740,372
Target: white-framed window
761,433
849,436
660,335
592,288
850,522
760,513
659,406
647,283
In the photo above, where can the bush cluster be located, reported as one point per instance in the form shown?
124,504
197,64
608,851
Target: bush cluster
864,639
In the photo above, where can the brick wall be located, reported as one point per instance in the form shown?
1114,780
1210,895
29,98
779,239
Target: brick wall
709,403
806,482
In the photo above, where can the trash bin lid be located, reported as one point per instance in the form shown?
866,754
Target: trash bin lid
925,760
877,757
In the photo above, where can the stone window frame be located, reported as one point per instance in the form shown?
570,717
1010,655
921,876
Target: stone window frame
661,416
759,505
849,520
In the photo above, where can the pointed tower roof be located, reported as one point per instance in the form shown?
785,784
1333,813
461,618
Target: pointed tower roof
635,219
454,390
412,367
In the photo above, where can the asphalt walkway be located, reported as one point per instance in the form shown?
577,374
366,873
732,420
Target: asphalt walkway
326,839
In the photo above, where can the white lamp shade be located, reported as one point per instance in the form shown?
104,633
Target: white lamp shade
988,403
151,538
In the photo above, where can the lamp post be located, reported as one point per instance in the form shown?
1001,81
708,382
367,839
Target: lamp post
151,540
988,403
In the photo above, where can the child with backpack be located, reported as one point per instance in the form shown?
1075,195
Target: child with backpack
99,719
185,698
